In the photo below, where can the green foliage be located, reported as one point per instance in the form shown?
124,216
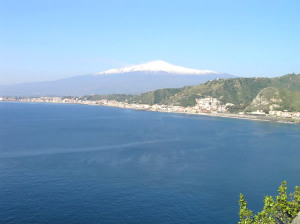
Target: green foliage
160,96
245,213
290,100
188,101
289,81
280,211
117,97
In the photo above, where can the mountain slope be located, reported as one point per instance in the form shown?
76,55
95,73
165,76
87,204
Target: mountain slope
267,98
239,91
129,80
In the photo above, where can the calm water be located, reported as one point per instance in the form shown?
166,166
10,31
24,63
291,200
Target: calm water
88,164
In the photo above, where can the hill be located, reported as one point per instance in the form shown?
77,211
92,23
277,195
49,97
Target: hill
283,91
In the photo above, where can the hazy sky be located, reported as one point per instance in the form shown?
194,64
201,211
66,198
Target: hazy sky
47,40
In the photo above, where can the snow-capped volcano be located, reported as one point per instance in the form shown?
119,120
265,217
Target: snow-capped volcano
129,80
158,66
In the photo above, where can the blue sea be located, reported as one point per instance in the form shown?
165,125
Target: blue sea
82,164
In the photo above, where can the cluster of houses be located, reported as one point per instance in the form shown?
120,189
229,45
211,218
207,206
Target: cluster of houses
203,105
210,104
275,113
285,114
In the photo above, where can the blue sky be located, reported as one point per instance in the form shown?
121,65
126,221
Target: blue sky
47,40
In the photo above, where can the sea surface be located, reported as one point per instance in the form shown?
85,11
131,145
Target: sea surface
82,164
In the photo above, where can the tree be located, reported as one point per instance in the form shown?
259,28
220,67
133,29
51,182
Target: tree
280,211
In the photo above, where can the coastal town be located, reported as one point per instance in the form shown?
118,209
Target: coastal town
204,106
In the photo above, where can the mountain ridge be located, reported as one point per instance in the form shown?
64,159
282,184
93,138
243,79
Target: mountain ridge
133,82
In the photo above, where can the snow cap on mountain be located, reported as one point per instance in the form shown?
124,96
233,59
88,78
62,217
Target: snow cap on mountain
157,66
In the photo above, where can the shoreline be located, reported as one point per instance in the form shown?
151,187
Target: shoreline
215,114
226,115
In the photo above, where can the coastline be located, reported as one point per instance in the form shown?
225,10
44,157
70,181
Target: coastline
228,115
213,114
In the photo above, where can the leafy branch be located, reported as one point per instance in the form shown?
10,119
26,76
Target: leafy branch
282,210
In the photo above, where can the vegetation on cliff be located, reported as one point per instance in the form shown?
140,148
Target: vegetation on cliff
117,97
281,210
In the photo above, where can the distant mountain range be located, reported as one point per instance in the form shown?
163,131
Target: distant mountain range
247,94
129,80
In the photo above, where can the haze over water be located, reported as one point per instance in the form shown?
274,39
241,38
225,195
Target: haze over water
90,164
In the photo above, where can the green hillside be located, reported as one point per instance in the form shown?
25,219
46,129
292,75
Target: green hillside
239,91
117,97
289,82
290,100
161,96
247,94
